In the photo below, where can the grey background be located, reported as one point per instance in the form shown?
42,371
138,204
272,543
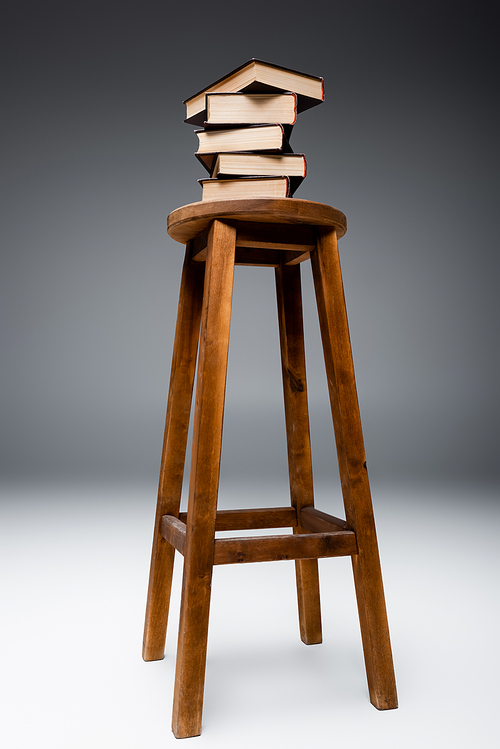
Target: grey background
96,154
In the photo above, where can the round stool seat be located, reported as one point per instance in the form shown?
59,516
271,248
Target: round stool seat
281,233
187,222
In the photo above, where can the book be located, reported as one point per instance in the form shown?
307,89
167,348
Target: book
259,164
245,188
250,109
291,165
258,76
253,138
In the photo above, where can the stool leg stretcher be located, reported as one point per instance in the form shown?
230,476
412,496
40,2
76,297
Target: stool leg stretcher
203,321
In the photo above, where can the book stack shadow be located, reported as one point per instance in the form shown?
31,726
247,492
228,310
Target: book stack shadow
247,118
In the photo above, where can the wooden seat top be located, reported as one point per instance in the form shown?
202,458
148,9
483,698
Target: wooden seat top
187,222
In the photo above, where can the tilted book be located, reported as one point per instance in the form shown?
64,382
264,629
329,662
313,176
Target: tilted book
253,138
258,77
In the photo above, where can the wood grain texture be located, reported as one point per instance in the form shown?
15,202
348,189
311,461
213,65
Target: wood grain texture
173,454
294,258
263,244
353,473
320,522
280,233
275,236
253,519
261,257
187,222
264,257
173,530
293,365
204,482
305,547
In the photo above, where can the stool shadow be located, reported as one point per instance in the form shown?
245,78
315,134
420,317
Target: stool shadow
260,682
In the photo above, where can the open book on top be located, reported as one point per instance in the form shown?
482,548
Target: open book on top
258,76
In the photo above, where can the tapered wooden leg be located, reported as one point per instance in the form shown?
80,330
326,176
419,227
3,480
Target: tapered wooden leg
204,482
353,472
173,455
289,296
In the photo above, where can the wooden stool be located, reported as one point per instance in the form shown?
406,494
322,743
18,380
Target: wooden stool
280,233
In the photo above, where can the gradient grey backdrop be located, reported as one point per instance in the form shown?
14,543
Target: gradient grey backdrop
96,154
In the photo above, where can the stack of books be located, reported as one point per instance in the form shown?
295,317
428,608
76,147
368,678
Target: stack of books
247,120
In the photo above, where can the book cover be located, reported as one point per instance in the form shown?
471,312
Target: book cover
259,76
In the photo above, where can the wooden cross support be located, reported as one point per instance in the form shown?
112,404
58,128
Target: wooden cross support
280,233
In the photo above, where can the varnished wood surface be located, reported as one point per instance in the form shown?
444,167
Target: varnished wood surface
306,546
187,222
173,530
264,244
204,482
245,549
253,519
276,236
352,466
266,258
331,540
293,366
320,522
173,454
211,230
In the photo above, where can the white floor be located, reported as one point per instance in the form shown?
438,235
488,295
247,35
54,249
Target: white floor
75,564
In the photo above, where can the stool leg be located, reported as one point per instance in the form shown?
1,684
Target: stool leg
353,474
289,297
173,455
204,482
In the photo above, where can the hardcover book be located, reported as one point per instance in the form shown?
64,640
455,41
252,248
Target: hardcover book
258,76
250,109
245,187
253,138
292,165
